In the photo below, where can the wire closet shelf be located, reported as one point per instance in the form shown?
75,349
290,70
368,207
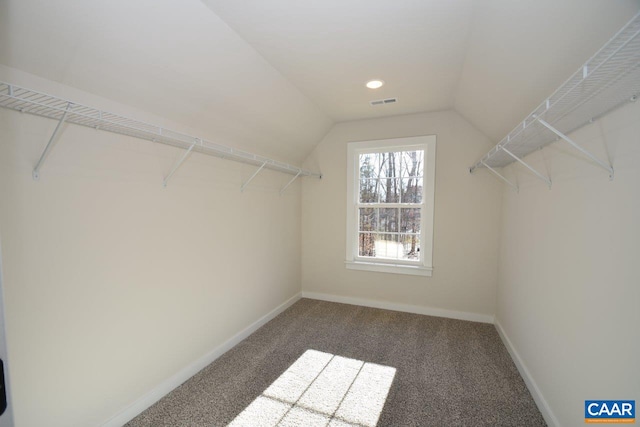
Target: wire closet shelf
609,79
62,110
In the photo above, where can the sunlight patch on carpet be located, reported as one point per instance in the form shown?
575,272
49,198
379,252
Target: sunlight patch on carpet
322,389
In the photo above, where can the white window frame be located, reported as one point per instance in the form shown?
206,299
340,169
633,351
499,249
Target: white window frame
423,267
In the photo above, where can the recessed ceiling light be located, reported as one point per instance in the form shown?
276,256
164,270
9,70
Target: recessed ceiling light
375,84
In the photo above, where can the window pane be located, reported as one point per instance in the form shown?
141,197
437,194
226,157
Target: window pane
387,246
412,163
389,191
392,197
390,165
410,246
368,219
388,220
410,220
395,163
368,190
420,168
366,244
369,165
411,190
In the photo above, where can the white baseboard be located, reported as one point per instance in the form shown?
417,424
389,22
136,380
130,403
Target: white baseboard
144,402
543,406
429,311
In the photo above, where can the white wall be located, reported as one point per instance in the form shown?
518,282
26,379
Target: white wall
569,283
6,419
112,283
467,221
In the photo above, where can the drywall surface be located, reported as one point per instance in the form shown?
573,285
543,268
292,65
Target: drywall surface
467,218
113,283
176,59
569,283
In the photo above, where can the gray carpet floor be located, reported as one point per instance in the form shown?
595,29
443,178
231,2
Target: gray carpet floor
448,372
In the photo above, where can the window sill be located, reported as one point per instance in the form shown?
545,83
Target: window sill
413,270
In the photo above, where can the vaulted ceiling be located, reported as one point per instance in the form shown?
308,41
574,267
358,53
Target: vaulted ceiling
272,76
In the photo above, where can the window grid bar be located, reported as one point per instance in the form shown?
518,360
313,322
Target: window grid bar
398,180
388,260
389,177
390,205
390,232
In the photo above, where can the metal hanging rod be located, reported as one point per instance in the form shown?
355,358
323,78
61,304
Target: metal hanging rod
289,183
511,184
36,169
65,111
180,162
526,165
243,186
602,164
607,80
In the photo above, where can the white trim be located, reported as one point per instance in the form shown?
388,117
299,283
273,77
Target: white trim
414,270
429,311
144,402
6,420
543,406
427,143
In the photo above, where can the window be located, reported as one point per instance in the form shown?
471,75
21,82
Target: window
390,193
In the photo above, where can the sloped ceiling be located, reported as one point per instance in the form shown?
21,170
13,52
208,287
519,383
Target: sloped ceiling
272,76
331,48
521,51
173,58
493,61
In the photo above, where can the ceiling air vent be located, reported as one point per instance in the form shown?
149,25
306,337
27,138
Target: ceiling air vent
384,101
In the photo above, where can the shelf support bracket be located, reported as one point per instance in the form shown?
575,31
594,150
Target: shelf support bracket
253,176
179,163
290,182
36,170
500,175
602,164
535,172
